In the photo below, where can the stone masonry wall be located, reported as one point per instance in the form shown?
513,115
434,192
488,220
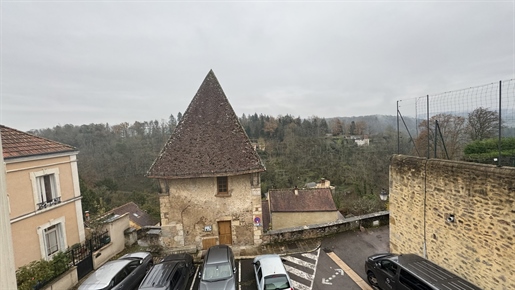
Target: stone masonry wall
479,244
192,204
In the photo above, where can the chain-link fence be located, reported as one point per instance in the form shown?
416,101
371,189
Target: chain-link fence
476,124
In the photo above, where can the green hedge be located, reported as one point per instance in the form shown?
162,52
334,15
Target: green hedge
38,273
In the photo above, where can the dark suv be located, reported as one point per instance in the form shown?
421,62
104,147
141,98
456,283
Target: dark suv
218,270
409,271
172,273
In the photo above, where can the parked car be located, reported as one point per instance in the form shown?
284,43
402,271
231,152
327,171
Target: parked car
218,270
270,273
409,271
172,273
124,273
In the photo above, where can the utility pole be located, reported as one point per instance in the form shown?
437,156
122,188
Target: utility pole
7,271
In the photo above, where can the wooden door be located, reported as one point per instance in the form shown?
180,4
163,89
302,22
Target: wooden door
224,233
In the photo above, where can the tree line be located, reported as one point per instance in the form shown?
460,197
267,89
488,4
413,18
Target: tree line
113,159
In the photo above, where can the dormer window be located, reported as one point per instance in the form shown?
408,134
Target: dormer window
222,185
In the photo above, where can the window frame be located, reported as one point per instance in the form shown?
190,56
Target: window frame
222,182
39,188
60,233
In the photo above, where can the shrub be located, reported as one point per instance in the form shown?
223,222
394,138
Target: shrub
38,273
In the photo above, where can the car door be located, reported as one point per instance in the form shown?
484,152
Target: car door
134,273
386,274
180,277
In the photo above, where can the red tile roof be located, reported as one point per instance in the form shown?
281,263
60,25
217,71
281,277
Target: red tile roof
20,144
208,141
311,199
136,215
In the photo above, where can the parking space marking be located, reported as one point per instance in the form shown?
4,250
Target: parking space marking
355,277
300,262
239,275
310,256
194,277
299,286
299,273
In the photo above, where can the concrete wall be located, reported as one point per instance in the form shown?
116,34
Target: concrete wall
479,245
283,220
66,281
191,205
116,230
326,229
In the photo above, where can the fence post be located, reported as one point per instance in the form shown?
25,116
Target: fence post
500,123
398,132
428,145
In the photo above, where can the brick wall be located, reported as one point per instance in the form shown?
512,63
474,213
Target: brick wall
479,244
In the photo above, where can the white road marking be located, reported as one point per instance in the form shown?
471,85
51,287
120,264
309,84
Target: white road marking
310,256
299,273
194,278
300,262
298,286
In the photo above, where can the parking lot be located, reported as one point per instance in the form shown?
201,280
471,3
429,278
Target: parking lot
318,269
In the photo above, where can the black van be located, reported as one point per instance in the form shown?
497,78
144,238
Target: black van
409,271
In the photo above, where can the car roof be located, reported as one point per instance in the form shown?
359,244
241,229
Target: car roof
159,276
270,264
432,273
218,254
103,275
139,255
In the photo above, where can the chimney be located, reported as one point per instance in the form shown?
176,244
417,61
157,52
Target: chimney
296,190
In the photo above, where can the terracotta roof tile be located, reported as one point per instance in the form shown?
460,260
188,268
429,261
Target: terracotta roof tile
208,141
20,144
136,215
311,199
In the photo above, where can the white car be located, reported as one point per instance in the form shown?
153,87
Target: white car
270,273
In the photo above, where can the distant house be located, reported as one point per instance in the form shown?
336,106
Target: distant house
290,208
138,218
44,195
209,175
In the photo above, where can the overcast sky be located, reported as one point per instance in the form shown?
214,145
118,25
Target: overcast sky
82,62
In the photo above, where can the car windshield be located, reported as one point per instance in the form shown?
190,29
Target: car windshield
276,282
214,272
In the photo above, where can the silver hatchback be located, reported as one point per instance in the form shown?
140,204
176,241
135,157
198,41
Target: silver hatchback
270,273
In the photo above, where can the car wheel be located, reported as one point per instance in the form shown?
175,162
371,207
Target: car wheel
372,280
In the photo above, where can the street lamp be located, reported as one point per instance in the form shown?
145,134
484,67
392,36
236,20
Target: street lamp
383,195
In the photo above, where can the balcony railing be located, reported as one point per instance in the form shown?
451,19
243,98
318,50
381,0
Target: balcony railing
46,204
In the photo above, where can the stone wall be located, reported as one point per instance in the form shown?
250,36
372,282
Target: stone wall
459,215
190,212
326,229
283,220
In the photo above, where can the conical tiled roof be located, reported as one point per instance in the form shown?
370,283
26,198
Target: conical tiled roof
20,144
208,141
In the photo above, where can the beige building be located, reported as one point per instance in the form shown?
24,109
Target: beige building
44,196
209,175
289,208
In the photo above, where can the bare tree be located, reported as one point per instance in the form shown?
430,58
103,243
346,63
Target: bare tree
482,124
451,136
